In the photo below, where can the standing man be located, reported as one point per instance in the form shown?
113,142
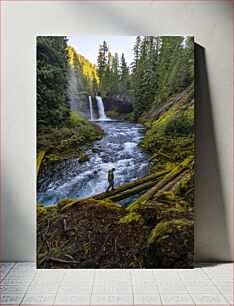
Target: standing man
111,179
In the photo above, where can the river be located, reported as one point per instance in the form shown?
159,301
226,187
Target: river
118,149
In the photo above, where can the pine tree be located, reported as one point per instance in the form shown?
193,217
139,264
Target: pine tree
124,74
136,50
144,81
115,71
102,60
106,84
52,100
82,75
169,63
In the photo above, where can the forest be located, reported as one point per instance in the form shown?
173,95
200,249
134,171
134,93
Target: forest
156,229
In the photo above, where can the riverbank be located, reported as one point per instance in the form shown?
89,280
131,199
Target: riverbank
69,141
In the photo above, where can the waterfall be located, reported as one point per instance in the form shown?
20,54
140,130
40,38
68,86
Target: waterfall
101,110
91,107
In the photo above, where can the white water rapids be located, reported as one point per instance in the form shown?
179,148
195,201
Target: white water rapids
117,149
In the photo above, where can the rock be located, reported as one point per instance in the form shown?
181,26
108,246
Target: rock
83,158
170,244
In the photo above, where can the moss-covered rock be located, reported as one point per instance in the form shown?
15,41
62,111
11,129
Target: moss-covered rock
41,210
83,158
165,214
132,218
95,150
170,244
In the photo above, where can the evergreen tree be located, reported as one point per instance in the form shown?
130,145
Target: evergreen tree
52,100
124,74
143,79
106,84
102,60
136,50
162,66
82,75
169,65
115,72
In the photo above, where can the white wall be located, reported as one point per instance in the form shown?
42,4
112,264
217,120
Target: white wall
211,24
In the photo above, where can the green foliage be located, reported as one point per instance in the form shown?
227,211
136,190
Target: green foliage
68,141
124,75
144,82
82,75
162,66
113,73
180,125
171,137
52,101
102,60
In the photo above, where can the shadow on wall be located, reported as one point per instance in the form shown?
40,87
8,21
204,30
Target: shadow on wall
211,232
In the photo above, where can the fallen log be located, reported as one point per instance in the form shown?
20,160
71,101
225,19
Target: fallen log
171,184
186,177
131,185
40,157
131,192
168,177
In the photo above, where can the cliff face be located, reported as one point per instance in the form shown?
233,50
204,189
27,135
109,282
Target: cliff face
120,105
80,105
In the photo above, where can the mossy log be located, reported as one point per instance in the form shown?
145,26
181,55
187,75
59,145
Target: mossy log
168,177
186,177
131,192
131,185
40,157
169,186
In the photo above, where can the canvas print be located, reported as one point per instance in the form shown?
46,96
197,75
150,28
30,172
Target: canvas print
115,152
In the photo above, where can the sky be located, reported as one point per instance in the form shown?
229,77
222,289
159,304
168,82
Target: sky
88,46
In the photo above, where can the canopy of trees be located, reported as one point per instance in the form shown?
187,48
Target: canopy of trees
82,75
162,66
113,72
